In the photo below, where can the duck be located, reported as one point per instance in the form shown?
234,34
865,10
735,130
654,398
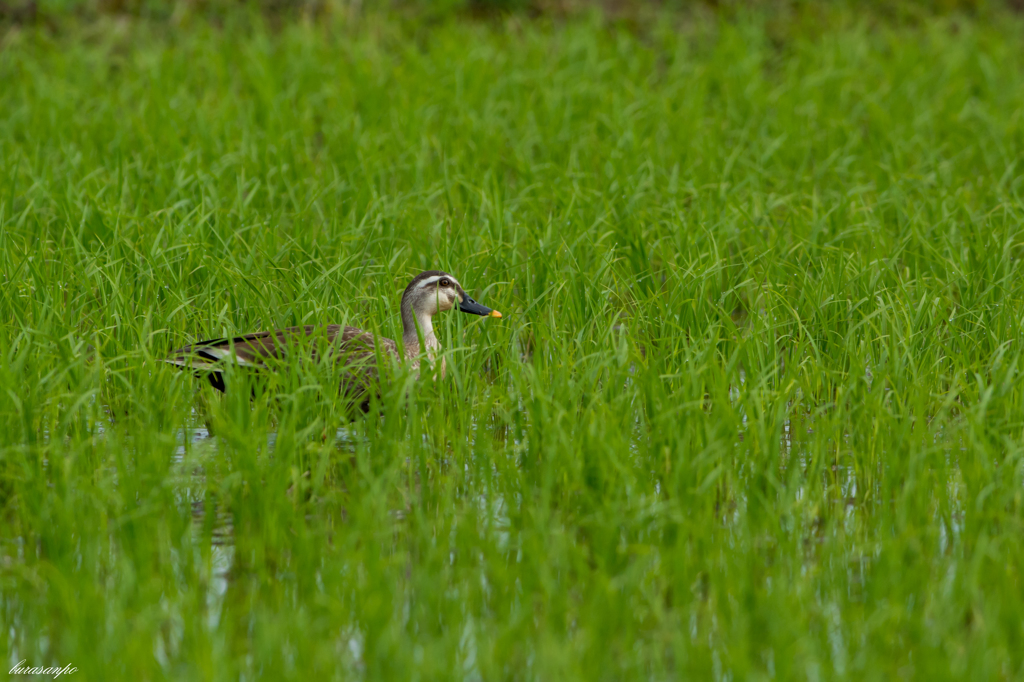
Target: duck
428,294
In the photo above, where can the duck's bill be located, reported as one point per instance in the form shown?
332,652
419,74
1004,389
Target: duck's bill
468,305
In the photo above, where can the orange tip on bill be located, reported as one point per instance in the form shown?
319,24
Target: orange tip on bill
495,313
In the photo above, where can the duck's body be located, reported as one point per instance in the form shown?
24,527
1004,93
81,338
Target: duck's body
354,349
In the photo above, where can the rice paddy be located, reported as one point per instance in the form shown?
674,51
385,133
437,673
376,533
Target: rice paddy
754,409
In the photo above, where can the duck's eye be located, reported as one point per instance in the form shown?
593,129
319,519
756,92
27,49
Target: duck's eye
446,283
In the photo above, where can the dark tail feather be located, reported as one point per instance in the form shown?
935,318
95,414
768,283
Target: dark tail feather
202,368
216,379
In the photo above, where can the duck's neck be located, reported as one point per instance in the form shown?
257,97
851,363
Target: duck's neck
411,339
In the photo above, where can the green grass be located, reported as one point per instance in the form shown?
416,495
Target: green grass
755,409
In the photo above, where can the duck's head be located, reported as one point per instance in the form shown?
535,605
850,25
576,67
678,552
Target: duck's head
434,291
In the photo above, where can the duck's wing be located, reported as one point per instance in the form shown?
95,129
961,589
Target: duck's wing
356,355
250,350
353,349
352,341
254,350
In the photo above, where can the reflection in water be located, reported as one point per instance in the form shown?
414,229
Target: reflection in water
222,554
201,444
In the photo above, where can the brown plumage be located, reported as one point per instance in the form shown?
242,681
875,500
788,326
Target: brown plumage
354,350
